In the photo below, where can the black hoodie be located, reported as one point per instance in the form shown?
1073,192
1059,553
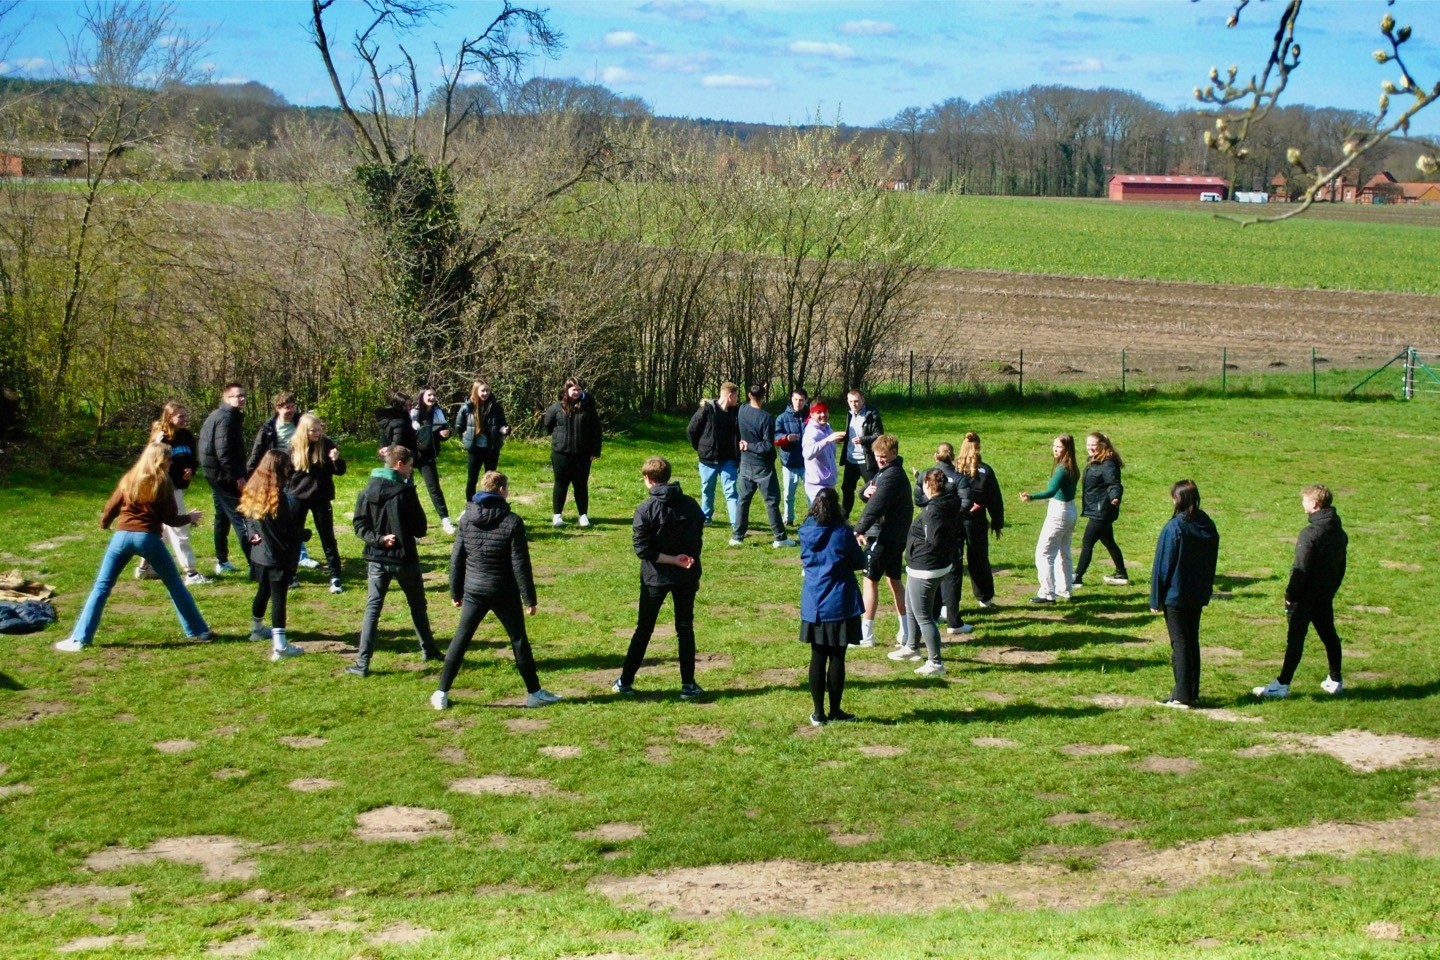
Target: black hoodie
491,556
668,522
935,534
887,513
389,505
1319,559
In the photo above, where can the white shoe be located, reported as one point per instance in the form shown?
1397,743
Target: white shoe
289,650
541,698
1065,595
931,668
445,525
146,573
70,645
1332,687
984,604
1274,690
1116,581
963,628
336,586
787,542
197,579
736,542
224,567
903,653
439,699
309,563
557,521
584,520
866,642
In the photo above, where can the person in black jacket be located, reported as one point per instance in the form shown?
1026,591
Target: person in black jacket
393,424
958,485
575,438
222,457
316,462
757,470
986,516
431,428
388,517
669,533
482,427
275,536
714,432
172,431
490,570
882,529
857,456
930,546
1315,578
1100,493
1182,580
277,432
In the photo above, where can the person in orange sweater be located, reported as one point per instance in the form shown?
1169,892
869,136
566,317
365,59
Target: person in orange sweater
143,503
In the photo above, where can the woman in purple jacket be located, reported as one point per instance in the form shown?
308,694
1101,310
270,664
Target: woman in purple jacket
830,605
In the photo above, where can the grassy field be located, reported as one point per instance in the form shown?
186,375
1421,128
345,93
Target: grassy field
1033,802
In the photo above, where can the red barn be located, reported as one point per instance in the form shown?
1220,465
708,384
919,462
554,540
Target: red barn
1140,186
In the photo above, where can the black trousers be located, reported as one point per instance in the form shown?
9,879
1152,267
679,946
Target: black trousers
511,616
950,592
272,589
977,541
570,469
827,677
651,599
324,514
1322,614
1102,530
1183,625
479,460
851,477
429,471
227,517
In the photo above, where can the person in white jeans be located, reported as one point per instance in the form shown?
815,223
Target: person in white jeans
1052,550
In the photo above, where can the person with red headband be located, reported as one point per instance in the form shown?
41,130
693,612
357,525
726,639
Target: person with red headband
818,443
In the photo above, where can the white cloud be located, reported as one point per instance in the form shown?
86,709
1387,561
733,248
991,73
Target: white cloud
618,75
736,82
820,48
866,28
626,40
1086,65
680,63
685,11
25,64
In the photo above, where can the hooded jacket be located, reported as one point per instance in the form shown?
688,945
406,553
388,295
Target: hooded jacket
786,423
668,522
887,514
935,533
394,427
577,433
481,429
280,537
1183,574
389,505
222,446
714,432
985,490
829,559
956,483
491,556
1099,485
1319,566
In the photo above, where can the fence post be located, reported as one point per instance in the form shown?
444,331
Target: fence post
1022,372
1224,366
1122,370
1409,389
912,374
1314,377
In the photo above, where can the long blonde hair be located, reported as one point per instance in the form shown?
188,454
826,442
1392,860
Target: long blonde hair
968,462
148,481
261,498
163,430
304,452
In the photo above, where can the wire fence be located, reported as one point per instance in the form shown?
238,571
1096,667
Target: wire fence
1405,372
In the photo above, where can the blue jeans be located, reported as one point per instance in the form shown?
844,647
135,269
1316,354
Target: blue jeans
727,471
794,480
125,544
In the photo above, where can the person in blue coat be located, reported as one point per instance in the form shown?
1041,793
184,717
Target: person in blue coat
1181,582
830,606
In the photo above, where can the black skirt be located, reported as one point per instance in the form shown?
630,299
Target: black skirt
831,633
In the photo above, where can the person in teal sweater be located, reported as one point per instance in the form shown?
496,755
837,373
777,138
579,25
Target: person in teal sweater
1052,550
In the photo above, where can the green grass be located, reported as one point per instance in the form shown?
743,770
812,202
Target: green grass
513,880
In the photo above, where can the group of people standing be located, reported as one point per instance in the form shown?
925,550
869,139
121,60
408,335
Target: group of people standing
912,532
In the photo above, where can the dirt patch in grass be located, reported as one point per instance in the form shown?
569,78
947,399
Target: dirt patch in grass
526,725
241,946
1117,701
15,790
882,750
1219,653
1093,818
175,746
399,934
712,661
780,676
405,824
1367,752
1384,930
85,944
1000,742
313,784
504,786
613,832
657,753
1398,565
1014,655
34,712
219,858
320,923
1363,608
229,773
1093,749
993,696
1119,870
844,838
662,631
1226,716
869,668
701,733
302,743
82,895
562,751
455,755
1168,765
324,646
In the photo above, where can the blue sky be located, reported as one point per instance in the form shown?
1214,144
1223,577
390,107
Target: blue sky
777,61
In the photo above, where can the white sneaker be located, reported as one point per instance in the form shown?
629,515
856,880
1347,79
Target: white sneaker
146,573
289,650
541,698
439,699
1274,690
1063,595
736,542
866,642
309,563
931,668
1116,581
984,604
557,521
787,542
196,579
584,520
963,628
336,586
224,567
1332,687
903,653
445,525
70,645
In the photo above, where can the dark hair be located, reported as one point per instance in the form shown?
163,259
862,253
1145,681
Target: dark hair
1187,498
232,385
420,402
825,508
399,400
934,477
757,391
565,394
283,399
1067,456
801,391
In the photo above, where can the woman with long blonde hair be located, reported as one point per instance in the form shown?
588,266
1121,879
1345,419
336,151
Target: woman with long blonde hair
1052,550
315,462
483,428
142,504
987,514
172,430
275,537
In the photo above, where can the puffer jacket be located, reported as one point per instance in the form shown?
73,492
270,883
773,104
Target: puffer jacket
887,513
668,522
491,556
1319,566
394,427
714,432
935,534
577,433
222,447
389,505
